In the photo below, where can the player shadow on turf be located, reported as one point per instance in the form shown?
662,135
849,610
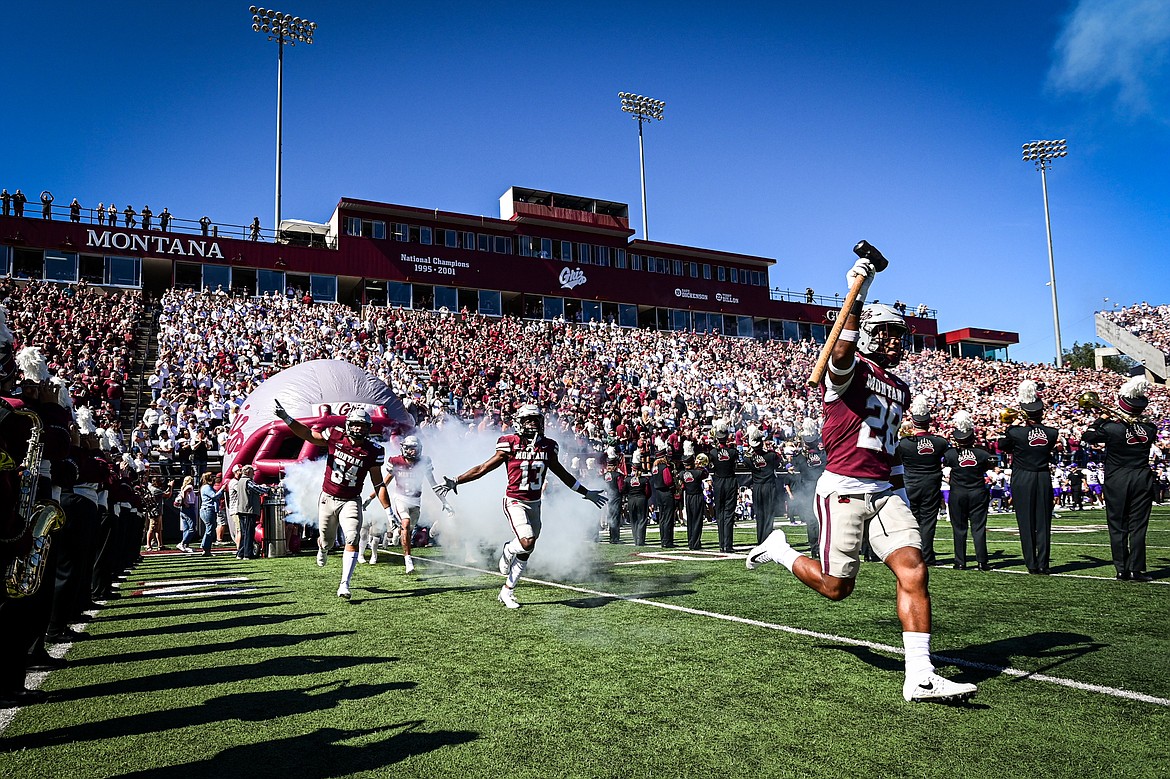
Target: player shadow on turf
274,641
257,706
418,592
989,660
323,753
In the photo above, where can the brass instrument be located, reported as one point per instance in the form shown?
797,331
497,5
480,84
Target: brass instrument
23,575
1009,416
1091,401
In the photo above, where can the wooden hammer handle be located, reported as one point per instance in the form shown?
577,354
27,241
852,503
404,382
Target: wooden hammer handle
822,365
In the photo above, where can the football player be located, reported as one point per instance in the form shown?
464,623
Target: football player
407,473
528,455
351,456
860,495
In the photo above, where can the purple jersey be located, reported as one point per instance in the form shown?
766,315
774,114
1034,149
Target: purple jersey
347,463
860,431
527,465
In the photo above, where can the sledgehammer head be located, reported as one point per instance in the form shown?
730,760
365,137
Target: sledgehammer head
867,251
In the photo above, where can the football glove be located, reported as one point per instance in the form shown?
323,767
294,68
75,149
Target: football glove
596,497
864,269
281,414
448,485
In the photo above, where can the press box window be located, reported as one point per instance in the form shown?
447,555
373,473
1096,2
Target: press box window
365,228
722,273
450,239
706,271
619,258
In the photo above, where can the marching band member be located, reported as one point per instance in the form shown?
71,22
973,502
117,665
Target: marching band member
1031,445
967,504
1129,481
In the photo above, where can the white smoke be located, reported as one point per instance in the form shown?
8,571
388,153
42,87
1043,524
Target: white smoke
478,528
475,534
1115,44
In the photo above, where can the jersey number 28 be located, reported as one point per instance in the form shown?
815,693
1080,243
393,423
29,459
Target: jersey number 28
879,430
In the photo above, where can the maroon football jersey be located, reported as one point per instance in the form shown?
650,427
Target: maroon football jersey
409,476
527,465
860,431
347,463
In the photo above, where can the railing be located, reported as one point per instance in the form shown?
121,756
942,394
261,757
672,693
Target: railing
136,221
810,297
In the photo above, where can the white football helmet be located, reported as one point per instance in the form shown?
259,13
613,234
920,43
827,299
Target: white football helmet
411,448
529,421
882,331
358,422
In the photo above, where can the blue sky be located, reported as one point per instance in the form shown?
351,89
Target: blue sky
792,129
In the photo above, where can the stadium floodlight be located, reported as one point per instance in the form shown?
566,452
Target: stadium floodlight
643,109
1042,153
282,28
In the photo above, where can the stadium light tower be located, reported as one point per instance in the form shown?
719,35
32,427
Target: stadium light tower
282,28
1043,153
643,109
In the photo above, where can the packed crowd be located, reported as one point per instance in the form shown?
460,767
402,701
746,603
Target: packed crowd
635,391
1150,323
86,335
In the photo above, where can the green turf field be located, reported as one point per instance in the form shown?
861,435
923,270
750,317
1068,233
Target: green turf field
662,668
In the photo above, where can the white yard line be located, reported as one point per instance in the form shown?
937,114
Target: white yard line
877,647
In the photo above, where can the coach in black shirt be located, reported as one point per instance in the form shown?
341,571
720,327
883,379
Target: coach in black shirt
922,457
970,496
1129,481
1031,445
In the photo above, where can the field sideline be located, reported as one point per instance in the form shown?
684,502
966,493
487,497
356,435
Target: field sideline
657,663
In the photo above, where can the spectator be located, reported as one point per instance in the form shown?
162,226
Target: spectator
46,204
75,211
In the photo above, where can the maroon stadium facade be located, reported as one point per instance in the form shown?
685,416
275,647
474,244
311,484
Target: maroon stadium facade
548,255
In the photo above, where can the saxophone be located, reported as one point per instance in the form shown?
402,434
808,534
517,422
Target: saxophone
23,575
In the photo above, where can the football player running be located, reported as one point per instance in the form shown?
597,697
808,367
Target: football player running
528,456
407,472
860,494
352,454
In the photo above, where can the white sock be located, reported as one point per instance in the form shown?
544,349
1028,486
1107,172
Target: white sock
787,557
515,572
361,548
408,561
917,655
514,547
348,561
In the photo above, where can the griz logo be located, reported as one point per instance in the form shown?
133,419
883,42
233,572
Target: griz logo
1037,437
814,459
688,477
925,446
723,454
1136,435
967,459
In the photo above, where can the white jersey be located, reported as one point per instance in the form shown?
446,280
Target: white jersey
409,478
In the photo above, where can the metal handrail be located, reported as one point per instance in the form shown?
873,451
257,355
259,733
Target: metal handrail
86,215
793,296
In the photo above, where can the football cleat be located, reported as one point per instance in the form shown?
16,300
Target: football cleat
933,687
767,551
508,599
373,556
343,591
321,556
506,561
